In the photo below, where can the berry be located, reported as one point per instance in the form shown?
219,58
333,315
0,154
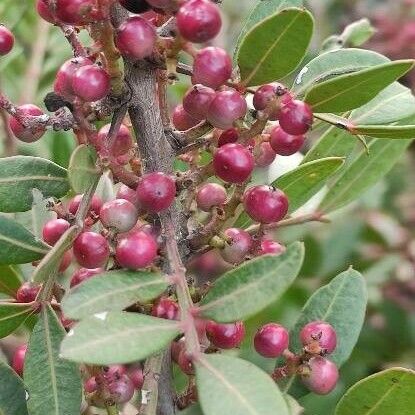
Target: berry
228,136
212,67
27,293
265,95
135,6
233,163
27,135
44,12
136,376
271,340
54,229
83,274
264,154
225,336
114,372
18,359
265,204
136,38
210,195
197,100
94,208
166,308
119,214
156,192
91,250
123,141
199,21
209,265
226,108
283,143
323,376
296,117
66,261
90,385
91,83
77,12
268,246
182,120
121,390
137,250
125,192
185,362
6,40
238,245
319,331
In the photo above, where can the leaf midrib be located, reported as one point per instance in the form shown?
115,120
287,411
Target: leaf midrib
22,244
15,179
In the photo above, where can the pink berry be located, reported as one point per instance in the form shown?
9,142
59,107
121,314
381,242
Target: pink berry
182,120
166,308
123,141
185,363
135,6
265,95
285,144
212,67
27,292
225,336
136,38
90,385
197,100
264,154
136,376
22,133
44,11
156,192
82,274
91,83
65,261
137,250
209,265
94,208
271,340
114,372
228,136
296,117
199,21
77,12
323,376
54,229
91,250
319,331
265,204
238,245
119,214
6,40
121,390
233,163
210,195
125,192
226,108
268,246
18,359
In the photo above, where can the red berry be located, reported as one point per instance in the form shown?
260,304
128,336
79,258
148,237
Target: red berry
119,214
226,108
123,141
182,120
265,95
296,117
83,274
323,377
136,376
197,100
77,12
27,135
271,340
135,6
137,250
90,385
228,136
121,390
210,195
91,83
136,38
94,208
268,246
209,265
156,192
166,308
199,21
18,359
6,40
233,163
27,292
91,250
65,261
54,229
225,336
238,245
285,144
114,372
44,11
319,331
125,192
264,154
265,204
212,67
185,362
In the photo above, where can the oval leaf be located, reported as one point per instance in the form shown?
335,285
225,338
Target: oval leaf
82,170
19,175
385,393
350,91
12,392
54,384
275,47
228,385
10,280
251,287
12,316
117,337
114,290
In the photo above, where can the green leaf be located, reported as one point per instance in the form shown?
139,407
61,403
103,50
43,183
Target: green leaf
191,410
114,290
350,91
286,34
386,131
12,316
54,384
12,392
251,287
10,280
364,172
118,337
357,33
19,175
61,147
18,245
228,385
82,170
384,393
